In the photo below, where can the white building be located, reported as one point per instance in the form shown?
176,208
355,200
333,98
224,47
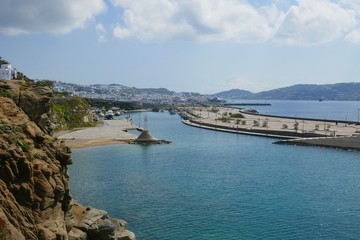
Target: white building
7,72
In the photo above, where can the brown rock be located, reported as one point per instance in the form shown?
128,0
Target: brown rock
35,198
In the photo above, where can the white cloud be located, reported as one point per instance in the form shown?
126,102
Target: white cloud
286,22
303,22
201,20
352,4
314,22
101,32
120,32
56,16
353,37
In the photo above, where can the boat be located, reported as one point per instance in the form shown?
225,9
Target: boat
109,114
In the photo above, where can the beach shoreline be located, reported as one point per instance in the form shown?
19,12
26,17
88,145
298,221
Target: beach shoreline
86,143
111,133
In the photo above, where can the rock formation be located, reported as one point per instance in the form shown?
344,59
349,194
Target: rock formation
35,200
35,100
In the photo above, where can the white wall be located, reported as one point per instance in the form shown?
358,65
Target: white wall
7,72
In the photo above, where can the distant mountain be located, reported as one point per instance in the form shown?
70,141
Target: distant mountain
234,94
161,91
338,91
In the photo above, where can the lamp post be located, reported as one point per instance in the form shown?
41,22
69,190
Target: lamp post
358,114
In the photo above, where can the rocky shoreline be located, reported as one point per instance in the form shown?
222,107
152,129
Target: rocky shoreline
35,199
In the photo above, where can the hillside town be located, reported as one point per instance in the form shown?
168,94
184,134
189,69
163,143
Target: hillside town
117,92
114,92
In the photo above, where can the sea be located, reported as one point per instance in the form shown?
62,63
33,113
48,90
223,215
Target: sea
215,185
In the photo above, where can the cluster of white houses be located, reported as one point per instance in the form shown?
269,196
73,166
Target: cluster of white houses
7,72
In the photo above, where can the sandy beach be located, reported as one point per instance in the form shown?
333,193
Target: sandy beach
112,132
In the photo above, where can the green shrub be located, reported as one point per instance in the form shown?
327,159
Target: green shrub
25,146
69,114
5,93
223,119
237,115
214,110
265,124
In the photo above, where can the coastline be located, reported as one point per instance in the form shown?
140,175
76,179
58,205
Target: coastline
111,133
85,143
115,131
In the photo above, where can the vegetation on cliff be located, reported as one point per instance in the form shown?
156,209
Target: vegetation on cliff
72,112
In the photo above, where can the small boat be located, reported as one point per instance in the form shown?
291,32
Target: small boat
109,114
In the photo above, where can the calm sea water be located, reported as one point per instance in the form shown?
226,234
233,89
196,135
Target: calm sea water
213,185
337,110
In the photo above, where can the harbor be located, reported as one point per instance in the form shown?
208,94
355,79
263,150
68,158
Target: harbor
305,131
247,181
291,130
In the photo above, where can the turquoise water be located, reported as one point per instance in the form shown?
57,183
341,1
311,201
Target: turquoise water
214,185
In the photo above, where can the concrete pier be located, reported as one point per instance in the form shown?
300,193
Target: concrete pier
305,131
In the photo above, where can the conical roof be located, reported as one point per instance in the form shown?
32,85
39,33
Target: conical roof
146,136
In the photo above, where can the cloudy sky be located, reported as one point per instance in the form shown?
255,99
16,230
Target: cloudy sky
204,46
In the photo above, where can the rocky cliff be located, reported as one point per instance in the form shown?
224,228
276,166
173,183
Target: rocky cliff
35,200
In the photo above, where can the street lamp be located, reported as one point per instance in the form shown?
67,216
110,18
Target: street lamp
358,114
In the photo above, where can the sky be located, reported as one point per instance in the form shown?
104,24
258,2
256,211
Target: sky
204,46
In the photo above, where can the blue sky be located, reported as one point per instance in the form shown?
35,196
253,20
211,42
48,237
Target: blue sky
202,46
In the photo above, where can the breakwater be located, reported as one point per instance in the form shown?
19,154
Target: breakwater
332,132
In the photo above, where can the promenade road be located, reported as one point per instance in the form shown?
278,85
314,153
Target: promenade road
223,117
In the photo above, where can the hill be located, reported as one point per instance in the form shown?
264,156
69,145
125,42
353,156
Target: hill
338,92
235,94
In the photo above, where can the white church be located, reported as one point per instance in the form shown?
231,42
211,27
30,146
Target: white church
7,72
